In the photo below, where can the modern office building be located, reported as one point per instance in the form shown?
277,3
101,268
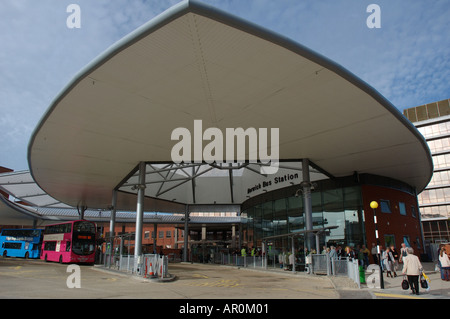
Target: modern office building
433,121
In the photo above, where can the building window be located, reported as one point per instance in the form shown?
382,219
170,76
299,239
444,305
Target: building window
402,208
161,234
385,206
389,240
413,211
147,235
406,241
168,234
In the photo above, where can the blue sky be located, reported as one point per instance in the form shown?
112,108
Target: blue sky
407,60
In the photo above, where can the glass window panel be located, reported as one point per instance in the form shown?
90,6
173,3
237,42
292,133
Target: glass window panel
439,195
352,197
333,200
267,219
402,208
413,211
385,206
445,177
317,216
442,226
295,213
406,241
335,218
280,216
354,228
334,215
434,227
389,240
443,128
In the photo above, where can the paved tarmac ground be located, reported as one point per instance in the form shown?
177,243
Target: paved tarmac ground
36,279
21,278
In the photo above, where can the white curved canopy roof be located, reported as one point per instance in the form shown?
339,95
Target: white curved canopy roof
194,62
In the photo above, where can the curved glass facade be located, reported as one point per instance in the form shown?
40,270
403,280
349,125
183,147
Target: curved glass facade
282,213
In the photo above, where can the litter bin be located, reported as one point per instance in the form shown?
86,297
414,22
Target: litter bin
362,275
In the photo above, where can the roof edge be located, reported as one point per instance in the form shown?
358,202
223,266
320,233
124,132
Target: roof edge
193,6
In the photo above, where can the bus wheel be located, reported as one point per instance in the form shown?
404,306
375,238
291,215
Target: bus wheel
60,259
27,255
5,254
45,258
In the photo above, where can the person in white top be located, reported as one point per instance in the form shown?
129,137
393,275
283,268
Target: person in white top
403,252
412,268
445,264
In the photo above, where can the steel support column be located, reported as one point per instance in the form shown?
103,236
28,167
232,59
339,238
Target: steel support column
155,232
139,215
112,220
293,252
307,204
112,224
186,233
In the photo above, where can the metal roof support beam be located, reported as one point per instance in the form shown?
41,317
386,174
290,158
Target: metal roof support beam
230,174
81,209
139,216
187,180
193,184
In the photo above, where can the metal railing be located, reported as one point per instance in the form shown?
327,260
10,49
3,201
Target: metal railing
148,265
323,264
317,264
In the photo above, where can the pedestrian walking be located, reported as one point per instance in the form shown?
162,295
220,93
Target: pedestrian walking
412,268
374,253
388,259
349,253
366,253
403,252
333,254
445,264
396,257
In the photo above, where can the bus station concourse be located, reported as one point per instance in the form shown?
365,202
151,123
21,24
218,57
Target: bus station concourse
104,150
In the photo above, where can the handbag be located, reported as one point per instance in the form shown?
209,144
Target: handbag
423,283
405,283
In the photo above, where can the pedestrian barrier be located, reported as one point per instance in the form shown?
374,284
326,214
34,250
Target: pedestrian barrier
155,266
322,264
117,255
147,266
316,264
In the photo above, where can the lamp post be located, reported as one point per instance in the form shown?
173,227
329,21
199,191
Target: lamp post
374,206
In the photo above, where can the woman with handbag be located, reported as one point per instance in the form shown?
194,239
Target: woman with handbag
412,268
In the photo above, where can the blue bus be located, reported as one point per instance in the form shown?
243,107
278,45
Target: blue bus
20,243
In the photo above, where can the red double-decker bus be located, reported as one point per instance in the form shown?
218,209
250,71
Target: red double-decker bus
70,242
